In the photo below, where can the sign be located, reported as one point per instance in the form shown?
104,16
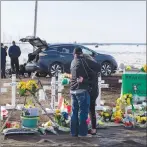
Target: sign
135,82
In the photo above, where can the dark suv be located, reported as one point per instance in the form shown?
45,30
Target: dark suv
53,58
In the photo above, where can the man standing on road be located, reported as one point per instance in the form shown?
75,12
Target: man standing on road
3,61
14,53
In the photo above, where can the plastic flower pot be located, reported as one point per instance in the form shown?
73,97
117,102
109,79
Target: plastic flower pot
30,122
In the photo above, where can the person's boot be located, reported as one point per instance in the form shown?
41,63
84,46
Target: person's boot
93,131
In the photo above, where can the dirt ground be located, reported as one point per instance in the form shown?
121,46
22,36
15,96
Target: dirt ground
112,136
107,95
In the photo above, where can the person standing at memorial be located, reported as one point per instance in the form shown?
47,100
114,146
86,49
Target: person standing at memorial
14,54
94,70
3,61
6,48
79,95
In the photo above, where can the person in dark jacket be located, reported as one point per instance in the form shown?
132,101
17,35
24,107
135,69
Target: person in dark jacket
80,96
80,89
14,53
6,48
93,69
3,61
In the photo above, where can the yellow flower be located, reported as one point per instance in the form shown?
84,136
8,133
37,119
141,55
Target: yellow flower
36,86
117,108
57,111
128,101
125,96
106,114
118,101
143,118
130,95
118,113
145,67
128,67
21,85
138,118
57,114
31,84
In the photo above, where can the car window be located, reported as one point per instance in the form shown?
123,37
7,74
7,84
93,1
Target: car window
86,51
52,48
66,49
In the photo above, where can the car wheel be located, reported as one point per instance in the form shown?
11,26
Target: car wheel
41,74
106,69
55,68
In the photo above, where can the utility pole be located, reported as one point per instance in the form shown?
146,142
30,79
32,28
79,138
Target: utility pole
35,19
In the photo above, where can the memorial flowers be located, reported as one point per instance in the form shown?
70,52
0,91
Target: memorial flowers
129,121
27,87
121,103
144,68
128,67
62,118
117,114
127,99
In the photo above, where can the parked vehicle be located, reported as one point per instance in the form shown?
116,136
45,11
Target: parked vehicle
54,58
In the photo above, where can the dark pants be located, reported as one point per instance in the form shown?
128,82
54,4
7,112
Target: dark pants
3,68
80,110
92,112
15,65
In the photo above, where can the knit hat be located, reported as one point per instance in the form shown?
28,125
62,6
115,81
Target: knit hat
77,51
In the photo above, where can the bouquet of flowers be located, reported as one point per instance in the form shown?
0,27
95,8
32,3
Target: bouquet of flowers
144,68
117,115
127,99
107,116
129,121
27,87
121,103
62,118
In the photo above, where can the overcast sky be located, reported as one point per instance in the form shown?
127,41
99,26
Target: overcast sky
68,21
